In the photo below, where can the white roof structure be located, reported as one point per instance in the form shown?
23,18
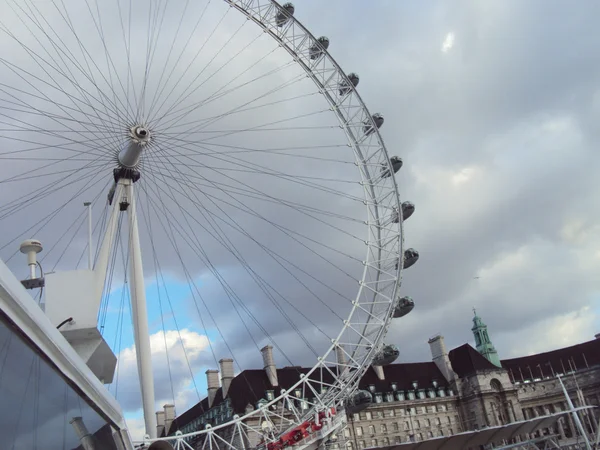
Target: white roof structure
485,436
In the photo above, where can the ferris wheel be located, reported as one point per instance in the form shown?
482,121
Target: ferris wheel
261,202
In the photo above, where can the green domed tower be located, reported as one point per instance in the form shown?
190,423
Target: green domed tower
483,342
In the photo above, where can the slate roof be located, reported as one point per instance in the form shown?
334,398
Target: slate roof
580,356
465,360
403,375
250,385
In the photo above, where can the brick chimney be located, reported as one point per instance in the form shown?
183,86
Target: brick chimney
212,380
379,372
226,366
439,354
160,423
341,355
169,412
267,354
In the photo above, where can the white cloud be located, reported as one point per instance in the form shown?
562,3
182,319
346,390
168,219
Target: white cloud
555,332
136,427
171,375
448,42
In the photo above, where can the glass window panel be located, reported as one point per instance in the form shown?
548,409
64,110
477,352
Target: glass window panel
39,408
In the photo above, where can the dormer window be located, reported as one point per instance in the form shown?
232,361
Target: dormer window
298,393
394,386
435,383
270,395
378,398
415,384
372,388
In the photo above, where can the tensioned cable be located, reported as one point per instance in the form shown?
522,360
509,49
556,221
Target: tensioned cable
240,258
158,270
210,264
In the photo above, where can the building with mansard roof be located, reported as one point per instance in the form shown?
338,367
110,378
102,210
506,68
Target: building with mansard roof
464,389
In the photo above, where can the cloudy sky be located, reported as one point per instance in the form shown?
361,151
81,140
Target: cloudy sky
492,106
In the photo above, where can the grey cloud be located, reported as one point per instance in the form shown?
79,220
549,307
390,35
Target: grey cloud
486,105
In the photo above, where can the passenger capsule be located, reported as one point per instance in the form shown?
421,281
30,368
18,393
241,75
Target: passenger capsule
346,87
386,356
396,163
368,128
316,50
284,14
358,401
411,256
404,306
408,209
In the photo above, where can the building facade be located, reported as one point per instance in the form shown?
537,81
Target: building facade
464,389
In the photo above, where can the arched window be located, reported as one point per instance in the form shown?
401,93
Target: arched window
496,385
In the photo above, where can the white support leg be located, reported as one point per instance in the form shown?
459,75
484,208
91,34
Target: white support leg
140,315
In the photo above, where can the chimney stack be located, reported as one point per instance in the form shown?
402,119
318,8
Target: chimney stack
169,416
212,379
597,336
160,423
267,354
226,365
341,355
379,372
440,357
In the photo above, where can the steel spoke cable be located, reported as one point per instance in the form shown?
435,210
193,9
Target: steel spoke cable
218,70
150,54
78,220
100,30
43,113
276,256
188,277
241,230
48,133
46,188
270,151
238,256
46,219
218,94
175,319
89,74
126,117
158,90
49,100
224,175
252,108
37,58
158,270
100,92
151,115
199,181
277,89
89,58
70,77
191,282
169,53
107,291
32,197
